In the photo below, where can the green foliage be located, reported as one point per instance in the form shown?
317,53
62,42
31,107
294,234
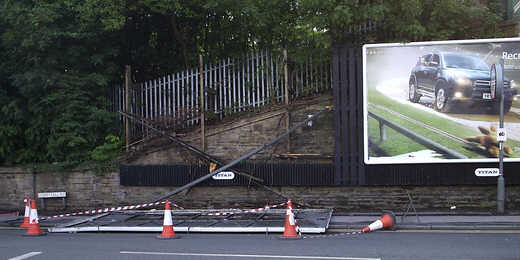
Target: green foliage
106,157
59,58
402,20
65,58
109,150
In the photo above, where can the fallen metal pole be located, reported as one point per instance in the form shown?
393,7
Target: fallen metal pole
231,164
255,180
186,145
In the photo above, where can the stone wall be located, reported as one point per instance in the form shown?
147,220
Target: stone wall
233,138
89,191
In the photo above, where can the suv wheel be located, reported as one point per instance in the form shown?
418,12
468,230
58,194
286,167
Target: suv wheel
441,100
412,92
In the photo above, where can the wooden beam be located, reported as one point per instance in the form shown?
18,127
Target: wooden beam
127,104
202,117
286,94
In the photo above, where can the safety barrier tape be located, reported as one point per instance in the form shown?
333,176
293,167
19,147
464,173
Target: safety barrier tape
334,235
298,229
240,211
105,210
131,207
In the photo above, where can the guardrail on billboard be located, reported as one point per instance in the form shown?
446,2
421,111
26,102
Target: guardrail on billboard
440,91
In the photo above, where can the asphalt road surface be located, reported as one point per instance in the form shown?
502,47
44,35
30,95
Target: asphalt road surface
375,245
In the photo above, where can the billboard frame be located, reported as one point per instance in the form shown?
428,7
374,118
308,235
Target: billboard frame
365,101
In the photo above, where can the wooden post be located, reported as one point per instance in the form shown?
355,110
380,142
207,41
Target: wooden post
33,173
202,117
286,94
127,104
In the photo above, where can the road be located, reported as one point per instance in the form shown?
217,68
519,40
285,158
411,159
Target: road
375,245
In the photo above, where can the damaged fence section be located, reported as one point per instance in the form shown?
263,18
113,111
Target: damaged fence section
268,219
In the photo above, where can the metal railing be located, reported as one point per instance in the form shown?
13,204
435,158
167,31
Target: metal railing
414,136
230,86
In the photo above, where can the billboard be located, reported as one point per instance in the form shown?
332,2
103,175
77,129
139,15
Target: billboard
431,102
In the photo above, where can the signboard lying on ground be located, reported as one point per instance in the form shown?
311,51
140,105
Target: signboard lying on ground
432,102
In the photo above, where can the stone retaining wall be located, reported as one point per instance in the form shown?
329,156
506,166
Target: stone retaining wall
233,138
88,191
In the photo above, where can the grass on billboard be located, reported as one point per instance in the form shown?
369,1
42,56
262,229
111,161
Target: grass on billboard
394,144
397,143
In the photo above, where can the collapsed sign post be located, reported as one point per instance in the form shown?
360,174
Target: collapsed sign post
243,157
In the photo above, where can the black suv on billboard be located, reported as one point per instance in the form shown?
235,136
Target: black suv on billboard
449,78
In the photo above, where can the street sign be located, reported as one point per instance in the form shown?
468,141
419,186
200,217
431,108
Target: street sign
487,172
223,176
45,195
501,134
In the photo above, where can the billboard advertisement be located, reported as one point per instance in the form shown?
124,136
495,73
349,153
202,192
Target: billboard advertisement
432,102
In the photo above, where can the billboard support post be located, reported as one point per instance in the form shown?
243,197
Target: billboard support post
500,181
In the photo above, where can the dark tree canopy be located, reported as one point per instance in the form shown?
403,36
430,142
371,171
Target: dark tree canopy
59,58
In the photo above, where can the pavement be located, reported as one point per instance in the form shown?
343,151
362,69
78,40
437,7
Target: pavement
432,221
410,221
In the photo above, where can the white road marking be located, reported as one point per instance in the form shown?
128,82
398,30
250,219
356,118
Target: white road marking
250,256
25,256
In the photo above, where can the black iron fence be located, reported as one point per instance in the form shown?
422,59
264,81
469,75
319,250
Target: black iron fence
273,174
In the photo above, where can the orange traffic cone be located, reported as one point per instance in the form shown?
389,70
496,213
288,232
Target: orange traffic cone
25,223
291,228
34,225
167,232
385,222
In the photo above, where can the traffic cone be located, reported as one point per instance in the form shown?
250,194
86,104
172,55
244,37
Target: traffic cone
34,225
167,232
387,221
25,223
291,228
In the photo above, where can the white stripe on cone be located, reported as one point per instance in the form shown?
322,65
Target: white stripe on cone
378,224
33,216
27,209
291,217
168,218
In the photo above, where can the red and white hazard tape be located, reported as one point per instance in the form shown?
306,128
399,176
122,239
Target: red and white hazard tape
334,235
105,210
240,211
298,229
131,207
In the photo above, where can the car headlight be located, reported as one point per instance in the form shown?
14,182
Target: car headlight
463,81
513,84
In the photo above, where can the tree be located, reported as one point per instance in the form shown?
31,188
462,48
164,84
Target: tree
401,20
65,53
